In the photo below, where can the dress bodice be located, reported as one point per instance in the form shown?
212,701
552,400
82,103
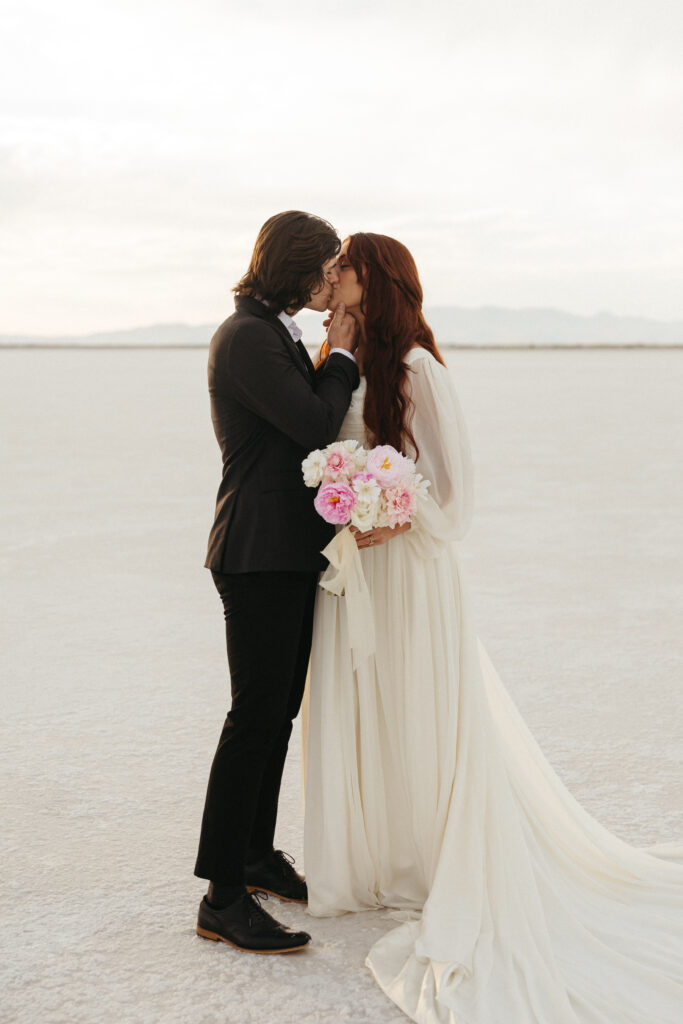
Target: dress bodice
353,425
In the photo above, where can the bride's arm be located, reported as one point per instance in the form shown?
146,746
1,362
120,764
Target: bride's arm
444,457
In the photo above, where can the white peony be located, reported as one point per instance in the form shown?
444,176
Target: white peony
363,516
367,491
313,468
421,485
360,459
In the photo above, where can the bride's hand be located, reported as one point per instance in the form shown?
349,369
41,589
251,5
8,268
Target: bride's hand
380,535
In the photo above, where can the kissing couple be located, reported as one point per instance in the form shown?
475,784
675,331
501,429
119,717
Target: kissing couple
425,792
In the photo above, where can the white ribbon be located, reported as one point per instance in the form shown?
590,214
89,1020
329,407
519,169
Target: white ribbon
344,577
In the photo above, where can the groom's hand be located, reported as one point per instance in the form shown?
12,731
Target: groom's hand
343,330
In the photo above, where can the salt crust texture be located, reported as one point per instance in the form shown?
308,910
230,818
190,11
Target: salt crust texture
114,677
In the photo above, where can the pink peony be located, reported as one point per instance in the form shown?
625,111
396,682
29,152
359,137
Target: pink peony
334,502
387,465
338,464
401,504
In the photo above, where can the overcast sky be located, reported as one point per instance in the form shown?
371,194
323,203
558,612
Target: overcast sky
529,153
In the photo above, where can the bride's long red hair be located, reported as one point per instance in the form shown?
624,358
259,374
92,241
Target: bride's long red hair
392,307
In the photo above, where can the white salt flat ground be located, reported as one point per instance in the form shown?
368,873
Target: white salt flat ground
114,677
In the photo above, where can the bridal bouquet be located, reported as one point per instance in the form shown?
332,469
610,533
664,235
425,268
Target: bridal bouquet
365,489
362,488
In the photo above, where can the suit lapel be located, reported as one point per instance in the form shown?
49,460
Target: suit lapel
301,348
298,351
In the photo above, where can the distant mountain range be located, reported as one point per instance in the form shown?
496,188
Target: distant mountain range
487,327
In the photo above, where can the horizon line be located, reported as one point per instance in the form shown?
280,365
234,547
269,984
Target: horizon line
489,346
514,310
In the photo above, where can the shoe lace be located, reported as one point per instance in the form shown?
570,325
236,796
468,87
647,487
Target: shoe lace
256,913
288,860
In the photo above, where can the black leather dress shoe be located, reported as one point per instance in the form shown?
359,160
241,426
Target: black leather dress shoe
247,926
275,875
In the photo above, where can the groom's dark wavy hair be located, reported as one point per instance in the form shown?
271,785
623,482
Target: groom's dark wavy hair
287,261
392,307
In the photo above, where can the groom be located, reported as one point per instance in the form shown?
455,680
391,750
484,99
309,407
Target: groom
269,409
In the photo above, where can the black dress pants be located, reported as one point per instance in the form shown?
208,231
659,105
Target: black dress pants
269,624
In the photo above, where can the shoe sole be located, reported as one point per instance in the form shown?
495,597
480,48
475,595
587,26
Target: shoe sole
277,895
215,937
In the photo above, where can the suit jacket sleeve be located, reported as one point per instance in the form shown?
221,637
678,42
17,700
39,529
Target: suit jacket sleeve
265,378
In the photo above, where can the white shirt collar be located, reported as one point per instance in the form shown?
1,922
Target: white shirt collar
293,328
295,331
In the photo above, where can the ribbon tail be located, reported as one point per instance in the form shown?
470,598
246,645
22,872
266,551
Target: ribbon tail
334,578
344,577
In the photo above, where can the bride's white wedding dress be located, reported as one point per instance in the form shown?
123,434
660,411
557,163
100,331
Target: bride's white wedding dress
426,793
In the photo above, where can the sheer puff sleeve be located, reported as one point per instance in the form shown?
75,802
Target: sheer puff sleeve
444,456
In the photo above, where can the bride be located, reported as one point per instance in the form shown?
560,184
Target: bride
425,792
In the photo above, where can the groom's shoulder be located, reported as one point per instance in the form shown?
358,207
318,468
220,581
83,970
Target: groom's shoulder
241,326
241,342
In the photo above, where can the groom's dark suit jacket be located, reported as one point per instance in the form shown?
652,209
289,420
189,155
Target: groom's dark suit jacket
269,409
